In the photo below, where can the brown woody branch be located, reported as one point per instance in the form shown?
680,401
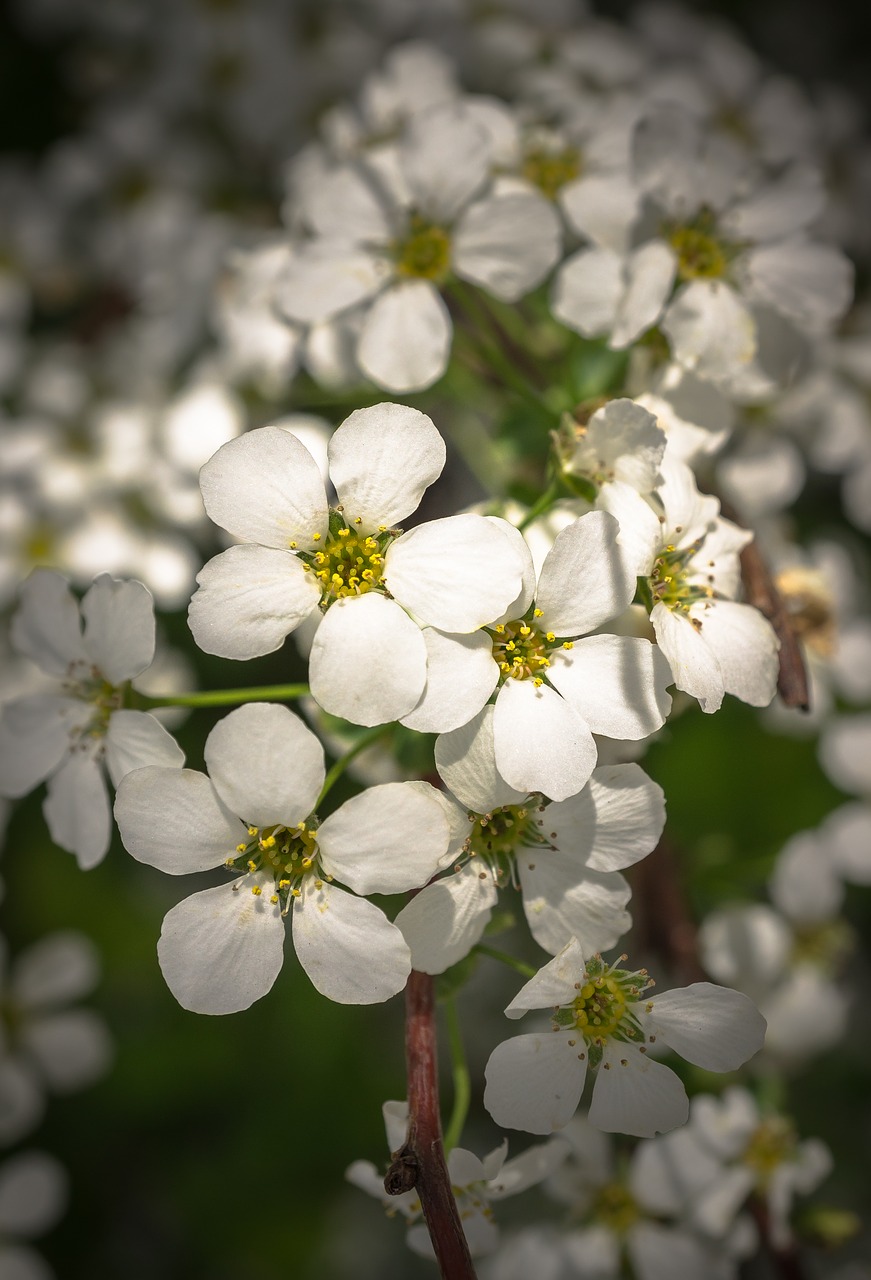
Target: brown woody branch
420,1164
665,924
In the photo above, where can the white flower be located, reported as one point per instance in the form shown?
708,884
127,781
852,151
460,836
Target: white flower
564,857
222,949
71,738
387,239
602,1018
375,589
33,1196
475,1183
43,1044
558,685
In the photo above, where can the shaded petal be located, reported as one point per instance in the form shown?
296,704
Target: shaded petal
72,1049
265,765
119,627
650,272
405,341
222,949
541,742
746,649
584,581
382,459
535,1082
77,810
554,984
249,598
461,673
563,899
327,277
811,284
47,627
617,683
445,920
710,330
266,487
587,291
455,574
368,660
466,762
615,821
635,1094
713,1027
602,208
35,735
445,159
21,1101
387,839
135,739
33,1194
54,970
507,243
173,819
347,946
693,665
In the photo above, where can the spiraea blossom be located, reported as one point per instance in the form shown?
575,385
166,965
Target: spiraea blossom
374,586
33,1196
222,949
74,736
602,1019
475,1182
565,857
558,684
387,237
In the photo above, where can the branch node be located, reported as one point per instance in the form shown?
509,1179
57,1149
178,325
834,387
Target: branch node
402,1174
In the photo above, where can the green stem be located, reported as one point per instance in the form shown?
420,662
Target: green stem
343,761
493,353
503,957
542,504
462,1083
222,697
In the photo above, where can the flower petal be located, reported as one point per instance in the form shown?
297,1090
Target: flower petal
542,744
694,666
405,341
47,628
587,291
326,277
173,819
222,949
445,159
265,487
635,1094
466,762
77,810
584,581
387,839
347,946
119,627
563,899
445,920
617,683
554,984
507,243
35,734
461,673
382,459
713,1027
368,660
249,598
73,1049
535,1082
135,739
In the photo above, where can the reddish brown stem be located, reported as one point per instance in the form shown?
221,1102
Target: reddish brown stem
784,1258
665,923
421,1162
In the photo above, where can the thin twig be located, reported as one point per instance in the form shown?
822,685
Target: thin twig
420,1164
785,1259
666,925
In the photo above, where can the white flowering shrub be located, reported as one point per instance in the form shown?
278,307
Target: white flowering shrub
436,450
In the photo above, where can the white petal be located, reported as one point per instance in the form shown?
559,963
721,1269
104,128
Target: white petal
694,667
445,920
587,291
21,1101
650,272
222,949
405,342
265,764
554,984
265,487
327,277
172,819
135,739
616,820
347,946
640,538
368,660
73,1049
62,967
22,1263
713,1027
811,284
668,1253
461,673
387,839
584,581
466,762
33,1193
527,1170
77,810
456,574
542,744
119,627
46,627
249,598
535,1082
507,244
617,683
710,329
635,1094
445,158
342,205
746,648
602,208
563,899
35,735
382,459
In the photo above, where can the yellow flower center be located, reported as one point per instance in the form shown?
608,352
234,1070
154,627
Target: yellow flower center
614,1208
604,1007
550,171
701,253
425,252
348,563
522,651
772,1144
670,581
288,854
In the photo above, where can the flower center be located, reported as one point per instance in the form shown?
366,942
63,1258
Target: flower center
772,1144
825,946
614,1208
496,837
87,684
701,255
550,171
349,563
288,854
425,252
670,582
811,608
603,1009
522,650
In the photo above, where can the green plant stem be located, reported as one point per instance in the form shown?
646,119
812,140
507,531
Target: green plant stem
460,1070
343,761
542,504
222,697
519,966
493,353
